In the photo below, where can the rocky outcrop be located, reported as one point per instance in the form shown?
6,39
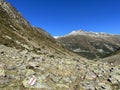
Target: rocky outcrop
14,14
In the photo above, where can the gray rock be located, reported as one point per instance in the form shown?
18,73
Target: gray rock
62,87
33,65
54,78
66,79
30,72
112,80
104,86
2,69
88,86
73,78
90,75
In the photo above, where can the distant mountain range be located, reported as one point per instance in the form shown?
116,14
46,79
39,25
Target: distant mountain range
90,44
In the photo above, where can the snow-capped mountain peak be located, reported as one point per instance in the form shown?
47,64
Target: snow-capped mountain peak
77,32
82,32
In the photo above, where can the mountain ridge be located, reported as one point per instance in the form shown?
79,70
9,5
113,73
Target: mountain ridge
83,32
93,44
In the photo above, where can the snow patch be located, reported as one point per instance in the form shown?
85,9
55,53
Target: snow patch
90,33
56,37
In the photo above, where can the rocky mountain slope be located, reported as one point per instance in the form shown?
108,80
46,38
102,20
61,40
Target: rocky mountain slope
16,32
113,58
89,44
30,59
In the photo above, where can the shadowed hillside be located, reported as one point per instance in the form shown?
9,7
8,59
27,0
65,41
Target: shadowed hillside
113,58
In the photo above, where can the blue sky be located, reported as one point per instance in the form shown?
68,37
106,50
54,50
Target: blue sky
59,17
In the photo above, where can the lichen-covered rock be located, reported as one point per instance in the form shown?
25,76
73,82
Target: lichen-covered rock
2,72
88,85
90,75
2,69
30,72
104,86
62,87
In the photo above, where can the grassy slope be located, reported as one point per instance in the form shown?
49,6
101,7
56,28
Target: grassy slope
18,29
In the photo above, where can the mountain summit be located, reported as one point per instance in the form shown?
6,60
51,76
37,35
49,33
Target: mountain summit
82,32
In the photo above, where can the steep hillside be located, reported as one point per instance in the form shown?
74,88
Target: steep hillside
16,32
30,59
89,44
